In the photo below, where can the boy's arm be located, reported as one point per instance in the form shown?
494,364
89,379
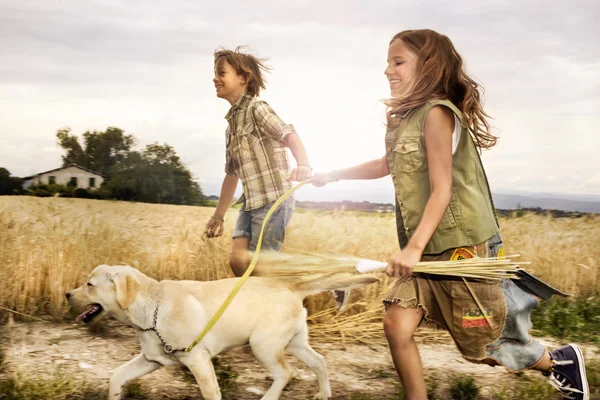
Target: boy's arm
227,192
303,170
276,129
270,123
214,226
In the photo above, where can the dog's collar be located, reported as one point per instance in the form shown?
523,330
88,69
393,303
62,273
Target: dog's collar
169,349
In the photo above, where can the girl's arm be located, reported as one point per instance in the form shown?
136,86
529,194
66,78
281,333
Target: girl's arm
373,169
439,125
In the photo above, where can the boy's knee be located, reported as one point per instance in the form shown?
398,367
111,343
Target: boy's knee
238,264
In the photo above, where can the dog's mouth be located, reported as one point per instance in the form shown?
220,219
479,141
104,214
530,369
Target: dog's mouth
89,314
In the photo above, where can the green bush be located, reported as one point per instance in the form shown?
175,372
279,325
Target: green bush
81,193
463,388
577,319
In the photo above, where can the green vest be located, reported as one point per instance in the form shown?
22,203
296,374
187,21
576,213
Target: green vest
470,218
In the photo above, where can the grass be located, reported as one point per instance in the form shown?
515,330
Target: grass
134,390
577,319
2,358
463,387
593,375
61,387
226,377
360,396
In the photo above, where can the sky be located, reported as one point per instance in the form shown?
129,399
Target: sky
147,67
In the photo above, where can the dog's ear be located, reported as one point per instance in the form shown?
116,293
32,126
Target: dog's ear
126,287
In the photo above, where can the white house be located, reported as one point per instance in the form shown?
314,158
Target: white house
72,174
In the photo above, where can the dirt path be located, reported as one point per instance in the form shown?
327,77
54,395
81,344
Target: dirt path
42,350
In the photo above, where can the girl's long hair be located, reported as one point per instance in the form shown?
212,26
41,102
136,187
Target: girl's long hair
440,74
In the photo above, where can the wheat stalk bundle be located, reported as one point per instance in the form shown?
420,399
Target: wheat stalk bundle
296,264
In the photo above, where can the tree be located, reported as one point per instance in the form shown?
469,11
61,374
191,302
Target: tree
156,175
9,184
101,150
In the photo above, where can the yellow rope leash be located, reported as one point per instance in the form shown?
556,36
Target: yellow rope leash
241,281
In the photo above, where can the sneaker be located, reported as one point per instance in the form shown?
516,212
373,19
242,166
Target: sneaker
567,373
341,298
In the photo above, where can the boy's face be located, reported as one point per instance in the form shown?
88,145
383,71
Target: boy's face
400,69
230,86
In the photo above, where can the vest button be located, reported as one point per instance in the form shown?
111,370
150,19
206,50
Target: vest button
389,150
393,176
403,147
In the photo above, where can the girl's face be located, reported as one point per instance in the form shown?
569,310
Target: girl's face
400,69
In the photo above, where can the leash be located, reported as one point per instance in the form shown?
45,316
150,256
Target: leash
244,277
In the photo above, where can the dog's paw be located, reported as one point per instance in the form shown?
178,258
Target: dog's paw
322,396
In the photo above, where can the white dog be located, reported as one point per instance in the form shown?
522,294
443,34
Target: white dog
169,315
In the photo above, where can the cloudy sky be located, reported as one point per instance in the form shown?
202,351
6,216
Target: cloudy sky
147,68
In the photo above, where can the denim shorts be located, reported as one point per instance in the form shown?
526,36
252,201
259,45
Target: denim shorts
249,224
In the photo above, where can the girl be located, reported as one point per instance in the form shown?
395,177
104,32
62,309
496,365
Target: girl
444,211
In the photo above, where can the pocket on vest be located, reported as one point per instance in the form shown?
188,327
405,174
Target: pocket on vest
408,154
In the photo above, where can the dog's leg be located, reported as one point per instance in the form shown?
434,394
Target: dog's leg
133,369
201,366
269,351
300,348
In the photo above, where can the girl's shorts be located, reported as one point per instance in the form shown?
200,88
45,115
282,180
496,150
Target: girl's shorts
497,333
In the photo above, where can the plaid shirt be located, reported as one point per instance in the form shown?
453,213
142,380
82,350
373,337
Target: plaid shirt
255,152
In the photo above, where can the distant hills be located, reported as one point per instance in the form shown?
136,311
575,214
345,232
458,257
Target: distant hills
516,201
381,201
501,202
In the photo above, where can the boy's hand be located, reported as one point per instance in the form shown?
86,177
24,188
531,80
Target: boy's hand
403,262
322,179
300,173
214,228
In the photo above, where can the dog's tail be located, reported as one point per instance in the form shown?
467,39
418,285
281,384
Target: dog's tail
314,286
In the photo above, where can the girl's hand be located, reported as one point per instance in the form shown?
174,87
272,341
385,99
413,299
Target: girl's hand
214,228
403,261
322,179
300,173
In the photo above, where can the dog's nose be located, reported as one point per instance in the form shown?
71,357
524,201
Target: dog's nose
68,295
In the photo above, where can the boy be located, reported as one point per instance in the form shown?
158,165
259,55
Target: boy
256,141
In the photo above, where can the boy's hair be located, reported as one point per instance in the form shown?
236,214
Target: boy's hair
440,74
245,65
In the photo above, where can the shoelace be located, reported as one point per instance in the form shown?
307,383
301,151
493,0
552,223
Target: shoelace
566,390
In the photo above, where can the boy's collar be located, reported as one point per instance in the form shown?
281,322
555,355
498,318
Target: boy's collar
241,104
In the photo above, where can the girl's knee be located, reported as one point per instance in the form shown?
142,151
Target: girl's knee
391,323
398,325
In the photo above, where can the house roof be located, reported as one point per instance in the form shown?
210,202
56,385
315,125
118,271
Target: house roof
66,166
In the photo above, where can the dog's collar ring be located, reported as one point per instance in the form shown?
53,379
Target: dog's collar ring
169,349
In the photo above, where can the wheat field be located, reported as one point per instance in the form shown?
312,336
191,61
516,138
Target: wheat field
50,245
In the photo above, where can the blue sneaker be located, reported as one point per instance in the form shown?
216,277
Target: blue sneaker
341,298
567,373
